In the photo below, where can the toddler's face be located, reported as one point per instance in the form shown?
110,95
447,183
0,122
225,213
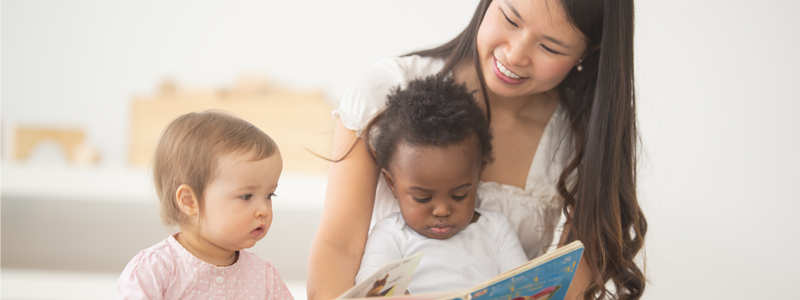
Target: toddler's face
238,201
436,187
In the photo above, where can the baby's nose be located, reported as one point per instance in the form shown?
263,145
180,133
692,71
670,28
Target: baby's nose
441,210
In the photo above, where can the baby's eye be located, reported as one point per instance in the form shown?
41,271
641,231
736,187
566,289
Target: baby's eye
270,196
457,198
421,200
246,197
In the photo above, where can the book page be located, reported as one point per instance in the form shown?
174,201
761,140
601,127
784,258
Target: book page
391,280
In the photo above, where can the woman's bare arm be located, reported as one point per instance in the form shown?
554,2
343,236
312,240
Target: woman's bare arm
339,243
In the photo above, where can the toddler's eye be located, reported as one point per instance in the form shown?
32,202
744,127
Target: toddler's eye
270,196
421,200
459,197
246,197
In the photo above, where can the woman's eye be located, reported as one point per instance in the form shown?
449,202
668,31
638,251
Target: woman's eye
459,197
246,197
550,50
421,200
509,20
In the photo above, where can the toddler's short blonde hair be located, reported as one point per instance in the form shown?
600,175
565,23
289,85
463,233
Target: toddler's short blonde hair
190,148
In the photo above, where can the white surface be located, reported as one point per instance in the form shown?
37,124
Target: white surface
718,110
79,63
65,182
22,284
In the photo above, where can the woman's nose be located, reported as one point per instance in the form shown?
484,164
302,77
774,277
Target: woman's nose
518,52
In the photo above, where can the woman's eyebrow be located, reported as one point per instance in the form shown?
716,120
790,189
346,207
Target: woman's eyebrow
514,10
557,42
549,38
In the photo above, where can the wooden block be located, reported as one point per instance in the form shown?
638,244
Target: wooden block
297,121
27,138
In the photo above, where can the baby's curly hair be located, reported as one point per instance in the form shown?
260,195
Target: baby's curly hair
433,111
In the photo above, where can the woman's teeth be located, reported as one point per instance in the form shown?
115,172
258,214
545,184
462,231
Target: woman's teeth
506,72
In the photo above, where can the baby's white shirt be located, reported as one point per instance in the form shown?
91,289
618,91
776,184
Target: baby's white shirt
482,250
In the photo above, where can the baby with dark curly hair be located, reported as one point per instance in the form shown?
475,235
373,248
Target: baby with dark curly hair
431,144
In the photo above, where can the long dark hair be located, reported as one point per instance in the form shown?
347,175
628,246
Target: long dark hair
601,200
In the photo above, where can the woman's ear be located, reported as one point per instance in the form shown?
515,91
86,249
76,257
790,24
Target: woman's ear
590,51
389,180
187,201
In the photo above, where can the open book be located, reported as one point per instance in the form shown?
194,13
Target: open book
543,278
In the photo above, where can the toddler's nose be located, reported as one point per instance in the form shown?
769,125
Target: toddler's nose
441,210
263,210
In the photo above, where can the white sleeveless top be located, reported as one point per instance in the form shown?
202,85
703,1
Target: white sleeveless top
534,212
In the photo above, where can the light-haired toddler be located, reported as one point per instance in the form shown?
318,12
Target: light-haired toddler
215,176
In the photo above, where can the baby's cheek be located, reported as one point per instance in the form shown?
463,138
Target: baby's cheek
415,222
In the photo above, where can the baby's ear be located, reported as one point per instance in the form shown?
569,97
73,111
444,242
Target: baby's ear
186,199
389,181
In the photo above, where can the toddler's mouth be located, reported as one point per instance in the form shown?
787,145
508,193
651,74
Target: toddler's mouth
259,231
441,229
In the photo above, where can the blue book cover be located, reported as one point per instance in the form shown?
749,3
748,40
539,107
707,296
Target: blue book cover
545,278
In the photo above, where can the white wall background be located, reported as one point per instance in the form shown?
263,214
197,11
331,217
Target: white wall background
716,80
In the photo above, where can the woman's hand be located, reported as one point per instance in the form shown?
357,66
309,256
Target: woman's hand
336,252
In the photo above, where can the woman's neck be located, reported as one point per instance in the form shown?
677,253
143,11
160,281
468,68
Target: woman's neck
205,250
537,107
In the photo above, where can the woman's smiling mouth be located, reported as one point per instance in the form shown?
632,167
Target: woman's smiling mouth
506,71
506,75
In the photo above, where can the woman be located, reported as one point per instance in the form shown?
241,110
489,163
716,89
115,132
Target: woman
556,80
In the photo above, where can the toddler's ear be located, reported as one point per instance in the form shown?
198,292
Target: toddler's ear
389,181
187,200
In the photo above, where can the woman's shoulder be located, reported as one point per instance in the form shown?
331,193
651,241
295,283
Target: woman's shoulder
397,71
408,67
367,96
494,220
414,66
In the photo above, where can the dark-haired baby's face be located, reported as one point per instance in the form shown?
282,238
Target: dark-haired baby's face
436,186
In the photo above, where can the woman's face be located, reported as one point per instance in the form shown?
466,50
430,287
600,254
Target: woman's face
527,47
